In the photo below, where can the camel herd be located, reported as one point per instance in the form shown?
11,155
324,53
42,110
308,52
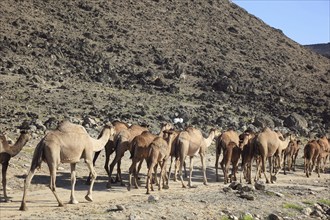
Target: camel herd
70,142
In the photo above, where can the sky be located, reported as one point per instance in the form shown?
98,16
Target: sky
304,21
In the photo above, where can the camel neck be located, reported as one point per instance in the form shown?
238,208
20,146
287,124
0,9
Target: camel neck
98,144
18,146
209,139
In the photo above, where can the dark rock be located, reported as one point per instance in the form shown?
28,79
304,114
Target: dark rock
260,185
296,122
274,217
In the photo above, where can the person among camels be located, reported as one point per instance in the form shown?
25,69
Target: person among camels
109,148
66,144
8,151
190,143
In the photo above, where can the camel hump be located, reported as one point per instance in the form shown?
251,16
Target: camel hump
68,127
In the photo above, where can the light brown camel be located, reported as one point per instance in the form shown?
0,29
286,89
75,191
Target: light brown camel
268,143
190,143
7,152
109,147
221,144
140,151
159,152
67,144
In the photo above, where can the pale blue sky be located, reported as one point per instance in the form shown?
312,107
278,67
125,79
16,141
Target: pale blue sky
304,21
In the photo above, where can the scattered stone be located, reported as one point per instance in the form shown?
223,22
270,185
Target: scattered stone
248,188
247,196
307,211
317,213
260,185
120,207
274,217
152,198
227,189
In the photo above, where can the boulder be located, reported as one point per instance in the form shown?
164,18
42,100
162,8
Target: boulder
296,122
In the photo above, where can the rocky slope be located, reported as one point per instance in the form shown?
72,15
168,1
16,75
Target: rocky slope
323,49
123,59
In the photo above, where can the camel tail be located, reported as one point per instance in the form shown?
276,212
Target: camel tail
308,152
38,156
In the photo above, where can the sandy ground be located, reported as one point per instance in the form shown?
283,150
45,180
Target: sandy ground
202,202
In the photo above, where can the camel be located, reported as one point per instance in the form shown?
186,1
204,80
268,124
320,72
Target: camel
140,151
325,145
109,147
159,152
7,152
66,144
290,155
191,142
122,143
245,143
221,143
311,154
268,143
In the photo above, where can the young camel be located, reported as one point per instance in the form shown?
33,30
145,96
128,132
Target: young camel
191,142
67,144
268,143
140,151
7,152
290,155
159,152
221,144
109,148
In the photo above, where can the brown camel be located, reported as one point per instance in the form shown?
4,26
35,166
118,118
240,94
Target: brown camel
67,144
159,152
325,145
221,144
7,152
109,147
290,155
190,143
268,143
122,143
311,154
140,151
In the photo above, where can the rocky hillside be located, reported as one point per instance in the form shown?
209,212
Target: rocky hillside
208,62
323,49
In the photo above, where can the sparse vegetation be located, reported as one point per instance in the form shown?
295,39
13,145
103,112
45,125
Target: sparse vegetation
292,206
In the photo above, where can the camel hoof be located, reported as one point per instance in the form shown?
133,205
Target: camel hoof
89,198
128,188
123,184
73,201
206,184
108,185
60,204
23,207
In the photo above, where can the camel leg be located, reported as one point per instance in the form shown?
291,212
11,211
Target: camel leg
218,152
52,184
149,178
176,167
263,163
108,152
73,183
182,158
27,183
169,170
294,161
4,179
138,171
112,165
89,197
190,171
130,173
96,155
202,155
